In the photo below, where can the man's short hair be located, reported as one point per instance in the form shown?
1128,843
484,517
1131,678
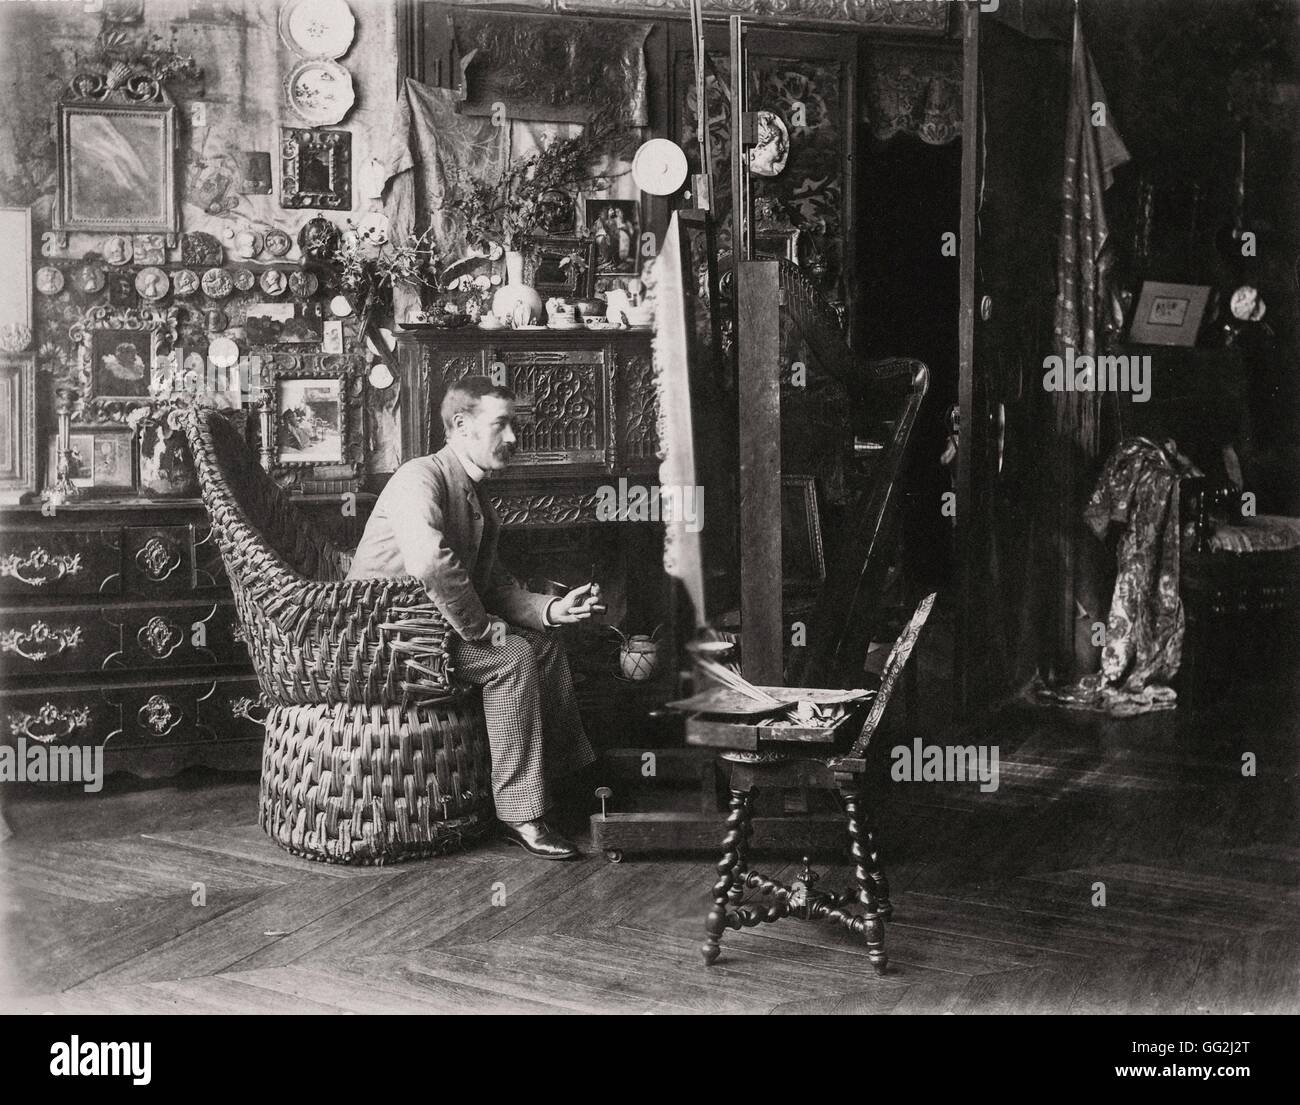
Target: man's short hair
463,397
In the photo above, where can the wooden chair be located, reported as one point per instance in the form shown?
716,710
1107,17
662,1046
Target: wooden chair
777,764
371,754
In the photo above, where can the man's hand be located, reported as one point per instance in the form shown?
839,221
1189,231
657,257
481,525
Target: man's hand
495,634
577,606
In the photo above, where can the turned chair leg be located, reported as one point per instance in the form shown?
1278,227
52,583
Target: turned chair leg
872,887
733,847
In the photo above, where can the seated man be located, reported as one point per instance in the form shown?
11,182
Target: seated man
433,522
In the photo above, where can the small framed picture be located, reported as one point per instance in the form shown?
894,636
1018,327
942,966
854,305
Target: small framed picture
615,227
310,420
332,342
1168,314
272,323
803,559
121,362
113,459
565,266
82,461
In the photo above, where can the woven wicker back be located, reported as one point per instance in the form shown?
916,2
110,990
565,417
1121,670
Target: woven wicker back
230,477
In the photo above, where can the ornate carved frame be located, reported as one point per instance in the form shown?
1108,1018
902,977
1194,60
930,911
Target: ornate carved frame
18,468
120,93
336,145
162,322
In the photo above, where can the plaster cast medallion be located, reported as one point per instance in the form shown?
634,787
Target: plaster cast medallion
277,243
303,284
151,283
217,284
118,249
245,280
185,282
90,278
273,282
49,280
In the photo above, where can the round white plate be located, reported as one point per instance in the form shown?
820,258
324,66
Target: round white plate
659,167
319,91
223,352
317,28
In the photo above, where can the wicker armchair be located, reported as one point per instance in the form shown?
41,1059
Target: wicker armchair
371,754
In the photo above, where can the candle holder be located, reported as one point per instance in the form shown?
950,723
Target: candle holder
264,403
62,489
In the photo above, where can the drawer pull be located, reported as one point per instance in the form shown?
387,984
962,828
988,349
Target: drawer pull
40,560
158,559
159,715
159,638
243,706
40,642
49,723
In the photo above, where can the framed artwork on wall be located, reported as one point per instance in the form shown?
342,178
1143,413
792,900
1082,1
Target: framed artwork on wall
1168,314
17,426
316,168
116,155
615,228
310,420
16,295
557,274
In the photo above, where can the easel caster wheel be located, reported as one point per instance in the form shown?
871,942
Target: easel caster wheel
614,855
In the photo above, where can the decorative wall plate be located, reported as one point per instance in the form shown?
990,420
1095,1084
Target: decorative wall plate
223,352
319,91
217,284
273,282
185,282
303,284
152,283
277,243
245,280
49,280
317,28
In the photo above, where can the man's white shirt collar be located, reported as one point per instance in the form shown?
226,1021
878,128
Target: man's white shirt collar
472,470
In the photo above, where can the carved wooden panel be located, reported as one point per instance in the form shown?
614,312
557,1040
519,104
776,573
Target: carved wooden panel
435,367
546,508
562,400
639,407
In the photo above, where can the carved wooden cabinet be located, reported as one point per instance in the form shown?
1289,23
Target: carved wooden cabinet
587,411
117,628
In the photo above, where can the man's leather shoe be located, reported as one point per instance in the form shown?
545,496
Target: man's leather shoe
540,840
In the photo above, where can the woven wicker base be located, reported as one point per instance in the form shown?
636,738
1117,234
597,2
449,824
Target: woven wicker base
347,784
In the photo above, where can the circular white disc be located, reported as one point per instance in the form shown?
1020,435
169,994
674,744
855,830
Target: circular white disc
659,167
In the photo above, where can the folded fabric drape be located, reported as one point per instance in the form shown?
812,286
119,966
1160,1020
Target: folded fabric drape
1138,492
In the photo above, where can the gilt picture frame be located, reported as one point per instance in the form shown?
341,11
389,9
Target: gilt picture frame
117,155
316,168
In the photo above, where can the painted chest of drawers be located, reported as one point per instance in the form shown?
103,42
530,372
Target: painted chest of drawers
118,629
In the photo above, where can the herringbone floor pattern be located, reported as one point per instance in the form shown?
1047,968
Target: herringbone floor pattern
994,898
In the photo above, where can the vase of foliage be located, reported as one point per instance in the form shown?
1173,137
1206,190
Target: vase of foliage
512,210
516,302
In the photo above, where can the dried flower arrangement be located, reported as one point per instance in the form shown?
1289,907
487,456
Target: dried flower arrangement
512,208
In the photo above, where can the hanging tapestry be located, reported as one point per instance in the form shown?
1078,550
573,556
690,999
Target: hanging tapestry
556,70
